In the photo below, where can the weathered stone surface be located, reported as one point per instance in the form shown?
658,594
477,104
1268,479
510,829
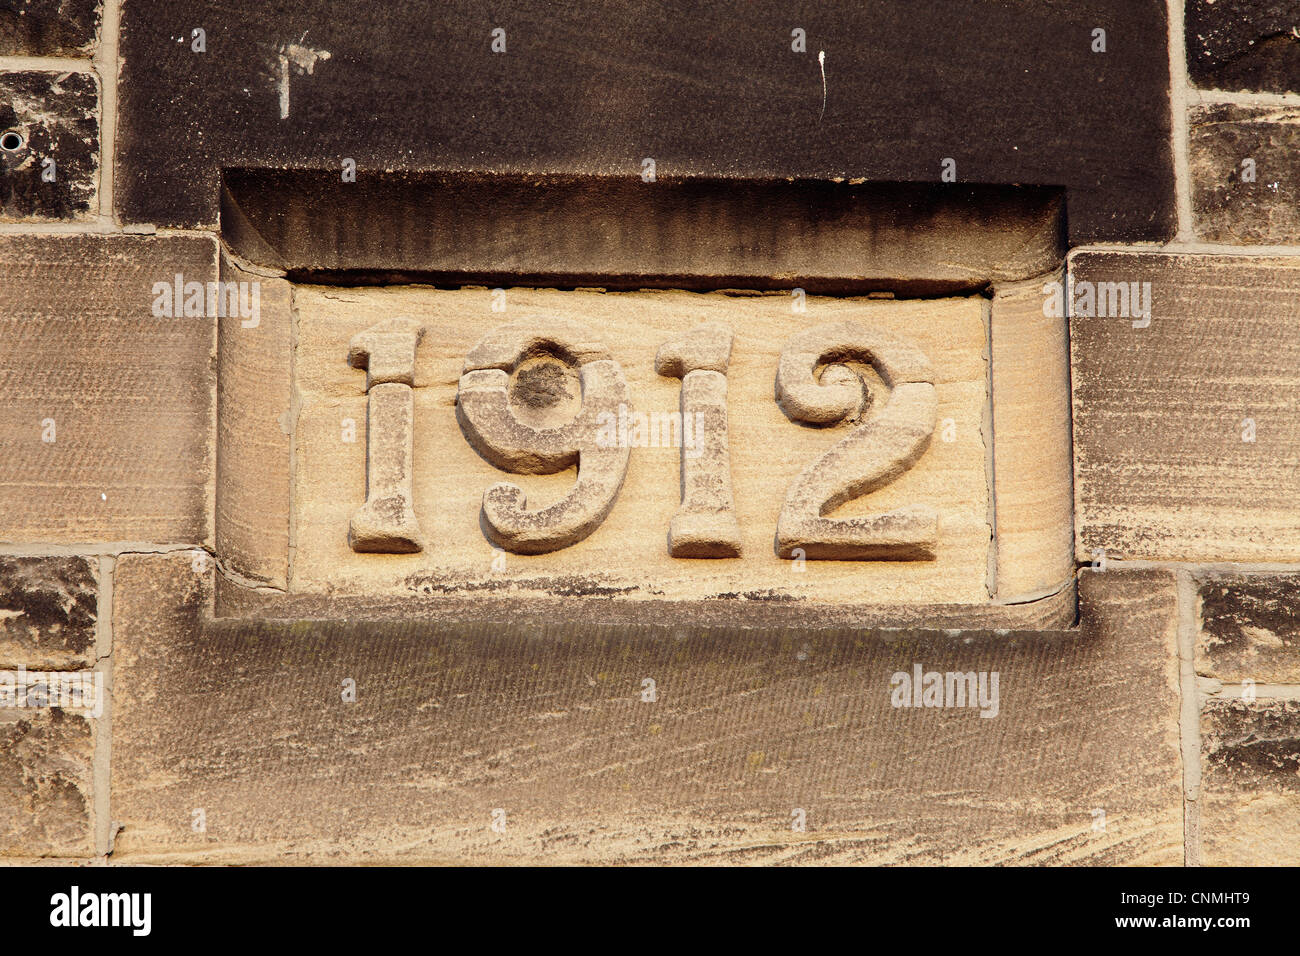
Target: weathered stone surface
48,27
386,521
1245,164
254,425
1185,429
478,433
1244,45
1250,788
47,613
1250,628
711,91
495,605
559,729
517,420
887,444
705,525
386,351
617,232
49,145
46,807
1032,452
105,409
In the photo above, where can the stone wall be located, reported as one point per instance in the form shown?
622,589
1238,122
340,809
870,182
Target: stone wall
1115,493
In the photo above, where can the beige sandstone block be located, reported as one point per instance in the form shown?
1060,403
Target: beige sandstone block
1186,423
705,525
638,743
386,522
1243,163
126,396
1250,789
48,612
624,557
254,426
46,802
1249,627
1033,454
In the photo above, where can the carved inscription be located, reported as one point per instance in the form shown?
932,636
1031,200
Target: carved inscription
870,457
500,435
705,525
386,522
539,396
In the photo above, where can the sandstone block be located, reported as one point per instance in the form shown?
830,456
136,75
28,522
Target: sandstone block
49,145
1185,419
47,613
438,741
1250,789
106,408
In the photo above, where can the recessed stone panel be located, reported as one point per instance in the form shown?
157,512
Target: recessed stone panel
665,435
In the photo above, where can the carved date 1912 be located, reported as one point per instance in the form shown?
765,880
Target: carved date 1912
817,384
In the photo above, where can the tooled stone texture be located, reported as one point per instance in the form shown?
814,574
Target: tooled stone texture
248,720
130,393
529,412
1250,787
1216,368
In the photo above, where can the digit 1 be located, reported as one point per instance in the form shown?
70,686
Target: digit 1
705,525
386,523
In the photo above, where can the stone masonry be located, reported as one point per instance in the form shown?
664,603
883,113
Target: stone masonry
622,432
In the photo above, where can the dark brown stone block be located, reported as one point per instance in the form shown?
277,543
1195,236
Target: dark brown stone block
49,145
48,27
558,727
1185,428
47,613
1250,628
46,808
1244,44
1245,163
1250,789
595,88
105,409
617,232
